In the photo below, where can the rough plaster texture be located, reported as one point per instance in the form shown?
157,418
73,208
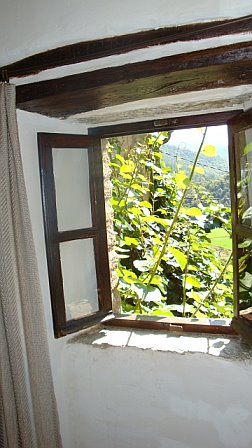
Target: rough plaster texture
142,391
149,398
215,100
110,228
124,396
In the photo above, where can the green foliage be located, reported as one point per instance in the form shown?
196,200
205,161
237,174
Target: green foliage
221,238
167,263
219,188
212,172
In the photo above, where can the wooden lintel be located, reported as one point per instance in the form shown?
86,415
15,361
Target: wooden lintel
85,51
165,124
224,66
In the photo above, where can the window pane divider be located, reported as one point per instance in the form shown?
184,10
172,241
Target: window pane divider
69,235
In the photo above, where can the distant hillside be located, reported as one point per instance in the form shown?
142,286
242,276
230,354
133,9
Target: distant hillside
216,171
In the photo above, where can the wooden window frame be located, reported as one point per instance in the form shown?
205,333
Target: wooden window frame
53,237
177,323
242,321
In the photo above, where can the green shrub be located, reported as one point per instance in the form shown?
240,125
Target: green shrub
167,264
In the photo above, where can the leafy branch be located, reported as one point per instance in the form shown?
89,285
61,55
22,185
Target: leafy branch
176,215
163,246
211,290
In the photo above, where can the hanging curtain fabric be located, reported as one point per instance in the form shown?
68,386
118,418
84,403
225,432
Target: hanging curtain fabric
28,413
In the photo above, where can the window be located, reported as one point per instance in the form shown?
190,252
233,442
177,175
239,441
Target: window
75,225
75,231
171,204
240,137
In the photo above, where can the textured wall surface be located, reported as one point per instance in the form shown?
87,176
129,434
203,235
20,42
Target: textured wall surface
124,397
127,397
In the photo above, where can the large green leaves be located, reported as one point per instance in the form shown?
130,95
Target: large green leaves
192,211
182,180
175,279
179,256
147,293
191,280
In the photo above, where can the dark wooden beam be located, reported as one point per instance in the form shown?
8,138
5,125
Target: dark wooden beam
224,66
167,124
85,51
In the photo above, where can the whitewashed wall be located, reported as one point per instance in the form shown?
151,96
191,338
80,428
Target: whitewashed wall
31,26
124,397
132,398
128,397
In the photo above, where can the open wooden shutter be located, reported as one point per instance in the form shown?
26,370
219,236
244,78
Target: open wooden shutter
75,230
240,141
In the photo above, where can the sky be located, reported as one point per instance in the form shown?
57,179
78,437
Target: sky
191,138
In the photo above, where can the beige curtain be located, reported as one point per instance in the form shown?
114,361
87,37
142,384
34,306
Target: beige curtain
28,413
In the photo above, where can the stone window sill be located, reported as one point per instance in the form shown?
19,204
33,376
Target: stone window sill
223,346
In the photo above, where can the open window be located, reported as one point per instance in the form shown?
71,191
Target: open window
75,231
240,140
74,217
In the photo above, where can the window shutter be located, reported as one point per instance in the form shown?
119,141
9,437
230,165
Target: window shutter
75,230
240,141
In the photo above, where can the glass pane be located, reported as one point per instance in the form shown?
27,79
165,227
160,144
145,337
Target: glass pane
79,278
71,174
245,272
244,177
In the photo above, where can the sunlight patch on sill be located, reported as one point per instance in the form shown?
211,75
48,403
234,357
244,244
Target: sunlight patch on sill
230,347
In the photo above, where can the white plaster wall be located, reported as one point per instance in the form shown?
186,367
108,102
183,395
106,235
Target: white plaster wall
123,397
31,26
29,125
132,398
128,397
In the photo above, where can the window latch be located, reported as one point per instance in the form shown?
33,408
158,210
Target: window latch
176,327
159,123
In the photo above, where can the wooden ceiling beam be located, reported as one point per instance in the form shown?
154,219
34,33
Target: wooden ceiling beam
224,66
86,51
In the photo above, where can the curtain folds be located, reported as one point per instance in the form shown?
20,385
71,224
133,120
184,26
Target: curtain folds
28,412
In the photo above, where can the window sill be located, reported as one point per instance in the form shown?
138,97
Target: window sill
222,346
